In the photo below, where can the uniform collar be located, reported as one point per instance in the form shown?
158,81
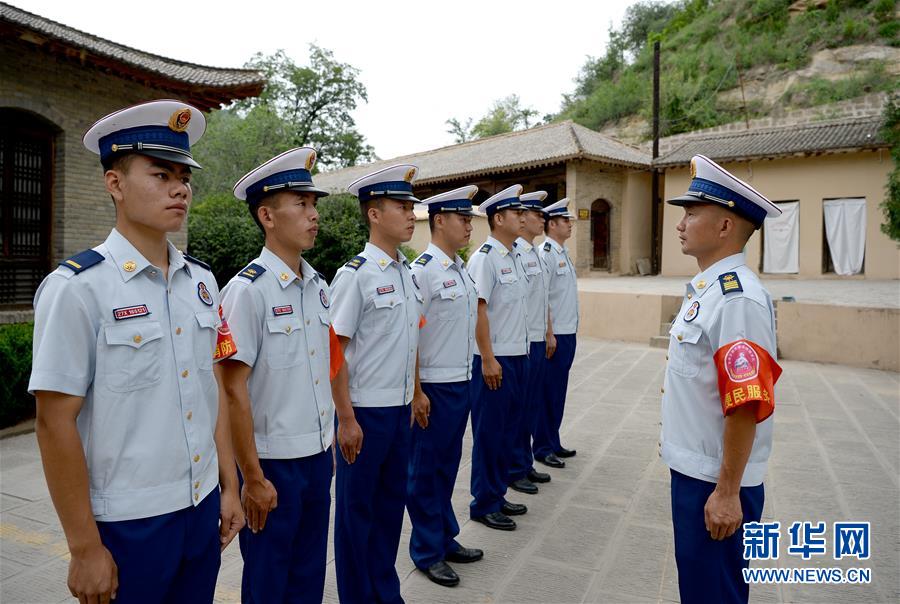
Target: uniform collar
701,283
130,262
522,243
556,245
443,259
499,246
379,257
284,274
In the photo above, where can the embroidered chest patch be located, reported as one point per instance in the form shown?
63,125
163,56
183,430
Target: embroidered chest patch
741,362
692,312
323,298
450,283
287,309
130,312
203,294
385,289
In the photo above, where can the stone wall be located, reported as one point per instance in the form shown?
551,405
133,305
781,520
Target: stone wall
586,182
71,97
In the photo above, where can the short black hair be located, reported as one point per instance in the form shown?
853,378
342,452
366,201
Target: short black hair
431,222
547,221
119,162
365,206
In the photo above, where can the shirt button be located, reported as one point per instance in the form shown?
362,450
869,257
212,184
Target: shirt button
680,337
287,329
137,339
317,381
184,373
197,485
662,390
196,496
322,414
196,458
312,352
189,415
667,357
690,296
177,331
307,321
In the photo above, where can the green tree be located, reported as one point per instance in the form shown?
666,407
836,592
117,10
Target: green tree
891,205
342,234
461,133
223,235
505,115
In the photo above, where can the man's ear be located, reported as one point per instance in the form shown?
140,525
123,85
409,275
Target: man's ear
264,214
113,181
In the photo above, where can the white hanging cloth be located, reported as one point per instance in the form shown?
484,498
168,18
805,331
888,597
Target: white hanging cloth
845,230
781,240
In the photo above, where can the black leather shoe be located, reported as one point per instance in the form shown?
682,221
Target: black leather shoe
442,574
523,485
552,460
498,521
565,452
464,555
535,476
513,509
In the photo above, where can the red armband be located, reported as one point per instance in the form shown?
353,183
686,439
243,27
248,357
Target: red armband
747,374
337,353
422,321
225,346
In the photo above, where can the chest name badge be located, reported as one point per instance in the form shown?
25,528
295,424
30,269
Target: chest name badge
130,312
532,264
287,309
203,294
323,298
505,271
450,283
385,289
692,312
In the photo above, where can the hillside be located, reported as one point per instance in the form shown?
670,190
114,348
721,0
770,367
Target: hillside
729,60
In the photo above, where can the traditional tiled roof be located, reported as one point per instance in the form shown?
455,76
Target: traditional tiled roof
214,84
546,145
846,134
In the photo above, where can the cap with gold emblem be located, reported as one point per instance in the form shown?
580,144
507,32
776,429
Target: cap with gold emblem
458,201
559,209
711,183
289,171
394,182
163,129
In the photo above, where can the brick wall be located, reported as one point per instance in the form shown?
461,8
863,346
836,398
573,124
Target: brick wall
72,98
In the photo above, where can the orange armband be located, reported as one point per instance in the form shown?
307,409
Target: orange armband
337,353
225,346
747,374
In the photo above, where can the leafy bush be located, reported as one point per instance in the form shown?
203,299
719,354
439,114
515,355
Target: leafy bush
15,357
222,234
891,205
342,234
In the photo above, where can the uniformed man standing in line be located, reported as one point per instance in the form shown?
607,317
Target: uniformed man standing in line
501,360
564,310
377,313
278,387
134,442
718,396
446,348
542,343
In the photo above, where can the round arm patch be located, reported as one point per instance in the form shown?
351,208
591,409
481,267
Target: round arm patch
747,374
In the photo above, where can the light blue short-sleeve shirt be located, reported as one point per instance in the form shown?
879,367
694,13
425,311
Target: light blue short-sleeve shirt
501,283
139,349
563,290
537,277
450,303
280,322
377,305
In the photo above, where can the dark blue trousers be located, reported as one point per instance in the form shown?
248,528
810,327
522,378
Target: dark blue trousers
493,438
368,513
709,570
172,557
285,562
556,382
533,398
433,464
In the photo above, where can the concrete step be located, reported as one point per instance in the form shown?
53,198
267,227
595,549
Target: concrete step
659,341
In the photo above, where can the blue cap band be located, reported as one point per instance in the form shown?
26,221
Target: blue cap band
144,138
278,181
707,189
510,203
533,205
385,189
451,205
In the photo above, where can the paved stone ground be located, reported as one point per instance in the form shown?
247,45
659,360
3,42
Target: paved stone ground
600,531
872,293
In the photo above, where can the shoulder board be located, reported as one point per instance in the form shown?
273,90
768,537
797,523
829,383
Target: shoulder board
423,259
730,283
190,258
321,276
356,262
547,246
252,271
83,261
485,248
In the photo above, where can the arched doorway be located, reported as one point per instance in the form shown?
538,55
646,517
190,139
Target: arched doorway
26,181
600,234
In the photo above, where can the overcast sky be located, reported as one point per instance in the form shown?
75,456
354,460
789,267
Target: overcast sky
422,62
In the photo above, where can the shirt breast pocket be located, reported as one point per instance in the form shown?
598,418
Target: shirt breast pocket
388,313
687,354
508,286
446,300
132,356
284,342
205,342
